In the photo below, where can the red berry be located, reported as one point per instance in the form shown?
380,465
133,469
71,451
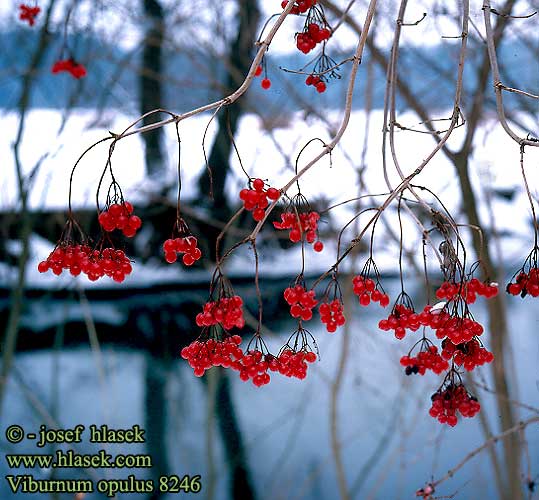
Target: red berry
258,214
320,87
135,222
116,210
265,83
258,184
188,259
273,194
318,246
43,267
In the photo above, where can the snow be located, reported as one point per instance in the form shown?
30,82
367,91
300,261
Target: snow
495,163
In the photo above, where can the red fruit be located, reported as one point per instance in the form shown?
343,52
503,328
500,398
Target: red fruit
318,246
106,221
121,222
400,332
188,259
258,214
265,83
324,34
258,185
116,210
321,87
28,13
43,267
364,299
273,194
129,231
384,300
128,207
196,253
169,245
258,70
295,235
310,357
135,222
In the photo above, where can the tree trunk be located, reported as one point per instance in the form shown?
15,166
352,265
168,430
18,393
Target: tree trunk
150,84
237,64
241,486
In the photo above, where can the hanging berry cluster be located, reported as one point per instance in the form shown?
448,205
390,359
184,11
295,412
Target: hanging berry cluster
74,254
453,398
453,323
300,6
226,310
301,221
183,243
120,216
265,83
468,354
312,35
301,301
214,347
402,317
527,278
368,289
28,14
82,259
255,200
331,306
468,290
75,69
427,358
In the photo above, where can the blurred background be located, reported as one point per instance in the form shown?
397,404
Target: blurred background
78,352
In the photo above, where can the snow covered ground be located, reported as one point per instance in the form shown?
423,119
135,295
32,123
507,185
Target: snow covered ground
495,164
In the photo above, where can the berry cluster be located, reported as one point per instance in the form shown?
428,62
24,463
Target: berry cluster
525,283
317,82
311,36
254,365
300,224
186,246
202,355
401,318
457,329
332,314
366,290
256,200
468,290
120,216
28,13
300,6
447,401
294,363
227,311
469,354
75,69
265,83
428,359
301,302
94,263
